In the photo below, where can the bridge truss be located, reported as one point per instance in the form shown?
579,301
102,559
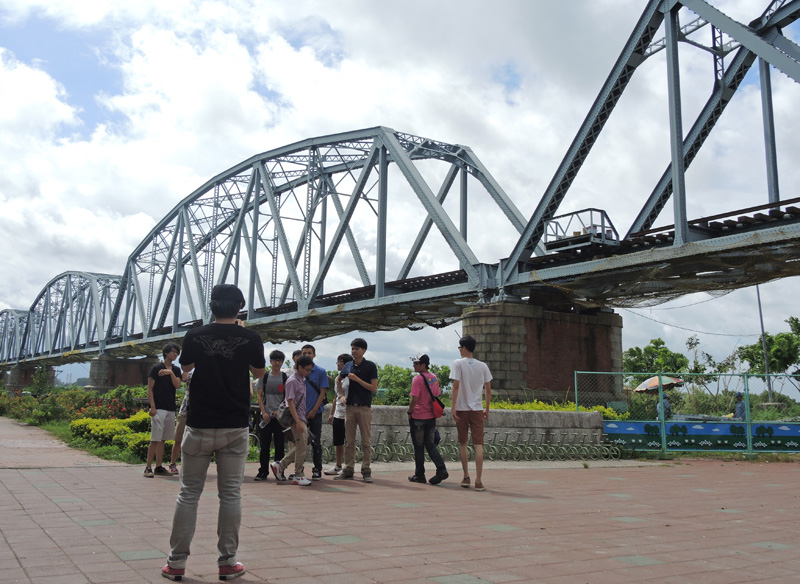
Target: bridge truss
368,230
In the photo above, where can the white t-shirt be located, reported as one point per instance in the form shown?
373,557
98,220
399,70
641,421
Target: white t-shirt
471,375
339,411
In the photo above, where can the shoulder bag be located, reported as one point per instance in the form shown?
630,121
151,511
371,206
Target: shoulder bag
438,406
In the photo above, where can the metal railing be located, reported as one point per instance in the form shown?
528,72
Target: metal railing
697,414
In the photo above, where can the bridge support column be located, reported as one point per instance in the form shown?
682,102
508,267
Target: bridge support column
22,376
528,347
107,372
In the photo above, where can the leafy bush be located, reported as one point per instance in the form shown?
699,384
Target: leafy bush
607,413
139,422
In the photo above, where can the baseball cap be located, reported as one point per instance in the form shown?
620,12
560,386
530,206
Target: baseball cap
424,359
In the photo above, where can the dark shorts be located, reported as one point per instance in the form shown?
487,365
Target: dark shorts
470,421
338,431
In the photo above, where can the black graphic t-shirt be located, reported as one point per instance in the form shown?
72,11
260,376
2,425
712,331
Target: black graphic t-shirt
222,355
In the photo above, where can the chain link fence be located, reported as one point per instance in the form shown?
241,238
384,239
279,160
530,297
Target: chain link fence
685,412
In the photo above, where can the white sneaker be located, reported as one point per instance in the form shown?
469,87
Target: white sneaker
302,481
276,470
333,471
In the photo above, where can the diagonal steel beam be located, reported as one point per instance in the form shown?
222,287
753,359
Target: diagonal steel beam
344,222
466,258
747,37
633,53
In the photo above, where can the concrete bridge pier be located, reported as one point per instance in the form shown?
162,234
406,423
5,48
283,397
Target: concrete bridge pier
529,347
21,377
107,372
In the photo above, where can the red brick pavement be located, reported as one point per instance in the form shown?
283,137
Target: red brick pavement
76,521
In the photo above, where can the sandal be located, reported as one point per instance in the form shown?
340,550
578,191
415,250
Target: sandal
465,482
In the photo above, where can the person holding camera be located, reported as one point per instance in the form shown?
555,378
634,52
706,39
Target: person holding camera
270,393
222,355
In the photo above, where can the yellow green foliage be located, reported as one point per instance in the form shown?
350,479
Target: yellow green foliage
607,413
139,422
100,431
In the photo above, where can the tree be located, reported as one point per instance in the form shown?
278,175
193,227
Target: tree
654,358
783,350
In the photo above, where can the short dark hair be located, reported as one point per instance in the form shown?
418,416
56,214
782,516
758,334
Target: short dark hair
225,308
276,354
359,342
304,347
344,358
296,353
468,342
304,361
169,347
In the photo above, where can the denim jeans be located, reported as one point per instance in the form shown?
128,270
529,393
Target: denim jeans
422,437
230,446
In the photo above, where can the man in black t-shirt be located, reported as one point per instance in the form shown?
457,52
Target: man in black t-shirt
222,355
162,382
363,378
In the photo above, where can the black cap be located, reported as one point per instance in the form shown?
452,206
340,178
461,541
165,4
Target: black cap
227,292
424,359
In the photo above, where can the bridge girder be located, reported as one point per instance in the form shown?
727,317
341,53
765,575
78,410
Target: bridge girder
68,320
264,220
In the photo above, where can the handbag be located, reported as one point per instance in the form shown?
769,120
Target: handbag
436,403
285,418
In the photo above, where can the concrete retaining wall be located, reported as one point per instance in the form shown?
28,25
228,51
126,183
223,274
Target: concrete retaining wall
552,424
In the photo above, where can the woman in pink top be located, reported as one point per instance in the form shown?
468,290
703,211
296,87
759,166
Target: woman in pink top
423,424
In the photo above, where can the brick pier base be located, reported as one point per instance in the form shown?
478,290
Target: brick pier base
529,348
106,372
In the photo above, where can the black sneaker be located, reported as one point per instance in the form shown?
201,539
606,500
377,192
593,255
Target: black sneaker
344,476
417,479
316,474
148,473
438,477
160,470
261,476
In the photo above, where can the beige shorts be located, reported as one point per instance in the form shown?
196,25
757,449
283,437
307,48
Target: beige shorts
162,426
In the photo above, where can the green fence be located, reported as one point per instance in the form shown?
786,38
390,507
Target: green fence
703,411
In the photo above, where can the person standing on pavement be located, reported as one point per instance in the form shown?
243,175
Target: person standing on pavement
423,423
270,395
338,410
162,382
740,412
295,396
316,386
472,381
363,378
222,355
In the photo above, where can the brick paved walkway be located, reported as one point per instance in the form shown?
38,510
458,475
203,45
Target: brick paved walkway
68,518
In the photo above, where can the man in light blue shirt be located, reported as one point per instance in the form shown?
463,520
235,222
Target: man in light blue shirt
316,386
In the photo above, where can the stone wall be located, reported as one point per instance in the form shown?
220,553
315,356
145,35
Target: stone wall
387,419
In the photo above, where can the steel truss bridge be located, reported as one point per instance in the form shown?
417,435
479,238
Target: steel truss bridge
367,230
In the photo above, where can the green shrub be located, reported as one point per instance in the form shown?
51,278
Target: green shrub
139,422
607,413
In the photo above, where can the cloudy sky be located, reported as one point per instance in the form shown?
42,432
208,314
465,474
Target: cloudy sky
111,112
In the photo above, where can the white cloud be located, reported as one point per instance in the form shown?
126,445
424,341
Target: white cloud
206,84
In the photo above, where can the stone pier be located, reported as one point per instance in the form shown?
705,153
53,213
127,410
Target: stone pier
20,377
530,348
107,372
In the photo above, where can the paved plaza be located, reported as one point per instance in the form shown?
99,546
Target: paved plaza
66,517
